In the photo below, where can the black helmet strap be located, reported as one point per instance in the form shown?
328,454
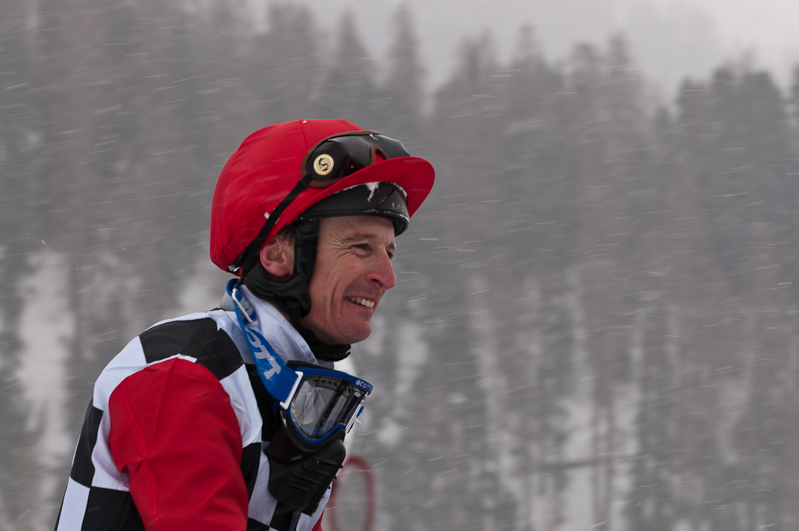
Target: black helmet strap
292,295
248,258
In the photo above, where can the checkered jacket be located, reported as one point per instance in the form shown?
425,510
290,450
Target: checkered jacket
173,436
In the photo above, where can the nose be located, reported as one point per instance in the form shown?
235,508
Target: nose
382,272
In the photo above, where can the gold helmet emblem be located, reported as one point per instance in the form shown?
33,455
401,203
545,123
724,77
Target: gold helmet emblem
323,164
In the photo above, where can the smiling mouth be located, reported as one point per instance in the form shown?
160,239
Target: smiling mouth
362,302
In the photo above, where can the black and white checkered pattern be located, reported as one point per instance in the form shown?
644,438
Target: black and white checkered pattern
98,496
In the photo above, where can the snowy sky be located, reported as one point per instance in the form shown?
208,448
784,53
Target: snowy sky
670,38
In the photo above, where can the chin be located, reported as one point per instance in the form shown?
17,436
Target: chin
356,336
339,337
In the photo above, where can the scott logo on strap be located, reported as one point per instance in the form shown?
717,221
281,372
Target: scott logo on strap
260,352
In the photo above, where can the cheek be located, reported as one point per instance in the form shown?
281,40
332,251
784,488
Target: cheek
331,280
338,278
317,293
323,290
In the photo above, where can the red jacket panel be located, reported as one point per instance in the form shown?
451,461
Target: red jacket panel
174,432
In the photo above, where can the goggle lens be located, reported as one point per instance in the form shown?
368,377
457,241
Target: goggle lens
339,156
321,404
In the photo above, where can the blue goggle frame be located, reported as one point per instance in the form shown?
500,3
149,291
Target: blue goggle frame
341,408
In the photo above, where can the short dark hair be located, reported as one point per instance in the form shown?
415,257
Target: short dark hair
286,233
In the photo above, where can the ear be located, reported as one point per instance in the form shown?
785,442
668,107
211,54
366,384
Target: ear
277,257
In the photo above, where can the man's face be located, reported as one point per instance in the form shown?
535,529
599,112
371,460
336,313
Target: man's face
353,270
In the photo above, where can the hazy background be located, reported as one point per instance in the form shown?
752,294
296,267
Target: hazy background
670,39
596,322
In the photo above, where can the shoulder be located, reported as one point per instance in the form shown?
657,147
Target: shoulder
178,351
204,338
201,338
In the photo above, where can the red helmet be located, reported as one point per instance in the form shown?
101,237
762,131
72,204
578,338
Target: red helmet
291,167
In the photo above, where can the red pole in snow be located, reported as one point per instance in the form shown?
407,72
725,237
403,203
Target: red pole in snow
363,467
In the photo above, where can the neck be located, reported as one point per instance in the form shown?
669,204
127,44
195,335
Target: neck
290,302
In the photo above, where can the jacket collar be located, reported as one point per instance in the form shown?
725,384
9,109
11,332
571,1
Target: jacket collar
273,325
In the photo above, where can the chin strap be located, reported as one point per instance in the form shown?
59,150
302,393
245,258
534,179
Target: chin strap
322,351
249,257
290,294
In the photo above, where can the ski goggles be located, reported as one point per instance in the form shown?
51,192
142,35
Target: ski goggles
338,156
325,401
329,161
315,402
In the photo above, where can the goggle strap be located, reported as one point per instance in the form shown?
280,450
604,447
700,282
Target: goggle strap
287,401
279,380
356,417
374,150
238,300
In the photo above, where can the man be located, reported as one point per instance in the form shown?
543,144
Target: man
233,419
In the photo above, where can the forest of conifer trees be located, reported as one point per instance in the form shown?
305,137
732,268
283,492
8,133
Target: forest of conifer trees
595,324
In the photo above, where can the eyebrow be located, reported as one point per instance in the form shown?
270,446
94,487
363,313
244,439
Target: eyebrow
365,236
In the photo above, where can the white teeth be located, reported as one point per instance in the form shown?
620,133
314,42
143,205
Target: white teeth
362,301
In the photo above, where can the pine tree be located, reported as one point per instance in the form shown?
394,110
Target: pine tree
20,467
286,64
349,87
404,97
